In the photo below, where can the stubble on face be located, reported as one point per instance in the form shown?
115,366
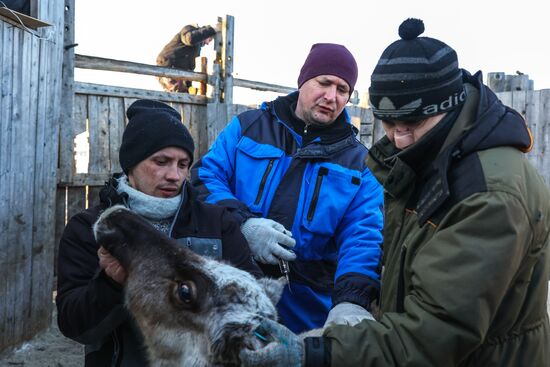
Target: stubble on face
322,99
162,174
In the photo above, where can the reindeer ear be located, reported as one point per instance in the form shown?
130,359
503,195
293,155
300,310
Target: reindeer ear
273,288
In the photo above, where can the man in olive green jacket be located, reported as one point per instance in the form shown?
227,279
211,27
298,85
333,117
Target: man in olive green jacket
467,222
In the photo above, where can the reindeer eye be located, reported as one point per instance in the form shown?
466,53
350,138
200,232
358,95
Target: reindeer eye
186,293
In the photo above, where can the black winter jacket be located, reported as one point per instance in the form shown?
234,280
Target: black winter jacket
91,306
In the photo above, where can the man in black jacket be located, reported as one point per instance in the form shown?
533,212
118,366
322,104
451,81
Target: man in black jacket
181,52
155,155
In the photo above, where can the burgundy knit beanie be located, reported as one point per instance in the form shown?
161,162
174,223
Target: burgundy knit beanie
329,59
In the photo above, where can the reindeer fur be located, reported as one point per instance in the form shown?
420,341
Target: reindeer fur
192,311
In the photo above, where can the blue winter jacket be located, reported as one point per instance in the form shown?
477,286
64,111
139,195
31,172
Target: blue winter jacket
323,193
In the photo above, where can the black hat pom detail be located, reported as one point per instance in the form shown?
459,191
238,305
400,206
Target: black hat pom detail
411,28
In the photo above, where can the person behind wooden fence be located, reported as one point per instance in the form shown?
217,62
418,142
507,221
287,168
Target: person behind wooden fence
466,237
181,52
155,155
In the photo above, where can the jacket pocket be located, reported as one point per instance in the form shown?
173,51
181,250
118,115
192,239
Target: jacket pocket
208,247
330,191
255,172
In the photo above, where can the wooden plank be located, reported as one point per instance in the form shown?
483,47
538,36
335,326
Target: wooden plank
543,132
127,103
76,200
505,98
17,17
234,110
77,158
60,220
93,195
100,63
47,132
33,282
204,69
216,120
66,151
519,102
201,136
6,69
191,119
367,127
116,129
533,120
87,179
98,125
354,113
186,112
19,215
244,83
216,78
113,91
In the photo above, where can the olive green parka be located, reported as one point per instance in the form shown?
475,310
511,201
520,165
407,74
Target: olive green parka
466,250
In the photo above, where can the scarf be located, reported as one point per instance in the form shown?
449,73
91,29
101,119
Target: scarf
153,208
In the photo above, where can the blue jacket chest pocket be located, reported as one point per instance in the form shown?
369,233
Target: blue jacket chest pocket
255,166
329,194
209,247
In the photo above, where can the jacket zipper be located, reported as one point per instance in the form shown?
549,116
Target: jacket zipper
400,304
323,171
182,202
264,179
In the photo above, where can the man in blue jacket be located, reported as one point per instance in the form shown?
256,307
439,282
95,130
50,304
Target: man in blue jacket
294,173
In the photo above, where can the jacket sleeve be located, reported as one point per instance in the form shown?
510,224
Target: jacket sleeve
359,239
89,303
213,174
457,280
235,247
197,35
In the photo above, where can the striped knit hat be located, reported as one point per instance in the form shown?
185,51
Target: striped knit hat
416,77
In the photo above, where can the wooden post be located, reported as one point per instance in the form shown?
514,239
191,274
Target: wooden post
496,81
67,165
215,79
227,58
202,88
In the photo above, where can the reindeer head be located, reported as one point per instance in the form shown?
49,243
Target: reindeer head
191,310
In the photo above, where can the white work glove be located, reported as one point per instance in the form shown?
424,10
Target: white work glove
347,313
266,239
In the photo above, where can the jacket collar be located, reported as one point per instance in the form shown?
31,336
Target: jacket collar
283,110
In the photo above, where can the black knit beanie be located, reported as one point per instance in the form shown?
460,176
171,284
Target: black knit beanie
152,126
416,77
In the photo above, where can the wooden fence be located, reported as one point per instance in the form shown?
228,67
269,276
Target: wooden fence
535,108
99,112
99,119
30,96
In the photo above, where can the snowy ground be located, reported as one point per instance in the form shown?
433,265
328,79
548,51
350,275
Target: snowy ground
48,349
